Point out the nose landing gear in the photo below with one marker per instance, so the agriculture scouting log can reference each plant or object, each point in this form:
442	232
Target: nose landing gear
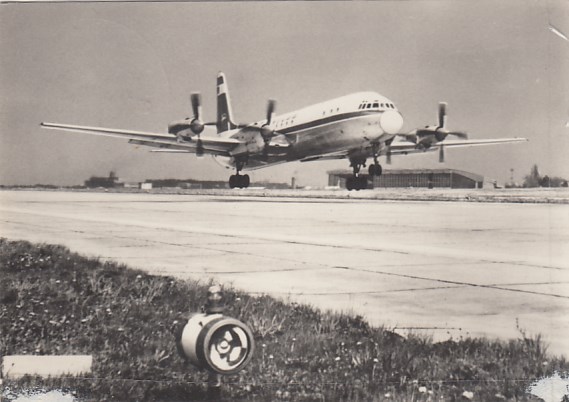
375	169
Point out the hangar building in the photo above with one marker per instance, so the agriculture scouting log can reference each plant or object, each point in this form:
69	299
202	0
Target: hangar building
426	178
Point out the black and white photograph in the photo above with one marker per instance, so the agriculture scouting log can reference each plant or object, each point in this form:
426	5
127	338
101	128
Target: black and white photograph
284	200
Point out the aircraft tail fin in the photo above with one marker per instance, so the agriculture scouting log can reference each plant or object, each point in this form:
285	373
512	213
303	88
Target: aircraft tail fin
224	115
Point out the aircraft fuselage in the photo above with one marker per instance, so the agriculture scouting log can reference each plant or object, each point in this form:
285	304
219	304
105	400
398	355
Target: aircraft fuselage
349	122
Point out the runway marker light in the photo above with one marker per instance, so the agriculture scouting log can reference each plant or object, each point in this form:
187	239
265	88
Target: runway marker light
212	341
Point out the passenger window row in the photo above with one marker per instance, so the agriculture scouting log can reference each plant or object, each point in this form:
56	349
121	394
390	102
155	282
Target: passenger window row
374	105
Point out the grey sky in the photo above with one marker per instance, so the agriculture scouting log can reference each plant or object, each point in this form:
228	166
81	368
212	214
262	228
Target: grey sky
133	66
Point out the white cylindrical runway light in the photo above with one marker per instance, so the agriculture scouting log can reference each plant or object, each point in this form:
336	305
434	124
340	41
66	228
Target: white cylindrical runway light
217	343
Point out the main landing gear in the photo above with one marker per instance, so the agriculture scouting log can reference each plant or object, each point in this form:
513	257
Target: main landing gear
356	182
237	180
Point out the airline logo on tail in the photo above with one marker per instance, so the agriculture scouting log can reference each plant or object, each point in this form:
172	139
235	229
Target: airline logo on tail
224	119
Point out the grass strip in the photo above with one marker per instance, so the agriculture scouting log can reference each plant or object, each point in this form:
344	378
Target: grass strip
53	301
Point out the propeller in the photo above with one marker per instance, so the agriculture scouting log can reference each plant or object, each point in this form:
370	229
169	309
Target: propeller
266	131
185	129
441	154
196	125
439	132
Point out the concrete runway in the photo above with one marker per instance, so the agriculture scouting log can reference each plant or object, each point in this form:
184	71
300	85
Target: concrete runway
441	268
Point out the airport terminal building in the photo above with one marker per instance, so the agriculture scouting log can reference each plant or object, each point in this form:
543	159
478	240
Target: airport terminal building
425	178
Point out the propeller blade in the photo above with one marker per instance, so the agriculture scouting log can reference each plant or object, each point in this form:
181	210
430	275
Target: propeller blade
271	106
196	125
441	154
266	131
196	99
442	114
388	156
459	134
199	148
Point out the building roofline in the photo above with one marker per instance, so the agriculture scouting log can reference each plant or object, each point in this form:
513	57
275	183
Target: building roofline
470	175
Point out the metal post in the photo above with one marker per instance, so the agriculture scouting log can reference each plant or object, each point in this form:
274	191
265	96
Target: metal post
214	386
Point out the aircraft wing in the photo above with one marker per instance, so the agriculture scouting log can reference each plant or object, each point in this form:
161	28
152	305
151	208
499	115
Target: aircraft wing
471	143
324	157
211	145
171	151
406	147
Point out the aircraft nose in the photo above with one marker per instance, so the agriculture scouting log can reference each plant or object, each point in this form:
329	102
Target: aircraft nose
391	121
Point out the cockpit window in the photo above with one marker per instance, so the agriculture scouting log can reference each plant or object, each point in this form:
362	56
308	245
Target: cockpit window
369	105
376	104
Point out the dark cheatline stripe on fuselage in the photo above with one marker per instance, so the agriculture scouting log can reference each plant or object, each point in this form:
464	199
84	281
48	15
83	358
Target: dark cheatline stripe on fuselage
326	120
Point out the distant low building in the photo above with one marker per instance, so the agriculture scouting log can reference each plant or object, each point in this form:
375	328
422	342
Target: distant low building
420	178
187	184
107	182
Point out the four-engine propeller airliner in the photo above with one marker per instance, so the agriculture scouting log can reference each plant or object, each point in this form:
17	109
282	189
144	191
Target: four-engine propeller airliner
356	127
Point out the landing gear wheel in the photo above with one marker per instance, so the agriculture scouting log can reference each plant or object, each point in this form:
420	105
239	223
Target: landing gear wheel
375	169
233	179
356	183
236	180
350	183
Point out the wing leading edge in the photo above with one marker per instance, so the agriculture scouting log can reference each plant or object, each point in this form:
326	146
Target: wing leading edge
406	147
211	145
